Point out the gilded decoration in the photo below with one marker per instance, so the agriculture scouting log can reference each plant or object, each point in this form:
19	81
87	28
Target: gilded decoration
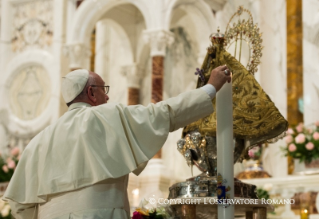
241	34
294	61
29	92
32	25
255	117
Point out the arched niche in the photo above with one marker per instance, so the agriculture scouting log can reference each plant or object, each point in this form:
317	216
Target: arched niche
200	12
113	50
191	29
90	12
131	20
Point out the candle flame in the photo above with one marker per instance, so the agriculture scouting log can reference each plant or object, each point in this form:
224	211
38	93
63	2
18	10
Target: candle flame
136	192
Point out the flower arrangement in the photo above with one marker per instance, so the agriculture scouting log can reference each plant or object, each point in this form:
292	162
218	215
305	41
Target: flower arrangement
303	143
5	210
7	167
9	164
149	210
156	213
255	152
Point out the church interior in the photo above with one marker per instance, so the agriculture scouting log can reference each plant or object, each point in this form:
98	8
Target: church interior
148	51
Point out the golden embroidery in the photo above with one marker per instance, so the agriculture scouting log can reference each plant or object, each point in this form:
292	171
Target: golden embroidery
256	118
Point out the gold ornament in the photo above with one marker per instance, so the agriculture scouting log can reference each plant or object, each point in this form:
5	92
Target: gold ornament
244	31
255	117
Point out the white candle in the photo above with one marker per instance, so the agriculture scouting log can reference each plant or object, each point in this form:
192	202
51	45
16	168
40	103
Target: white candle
136	197
225	144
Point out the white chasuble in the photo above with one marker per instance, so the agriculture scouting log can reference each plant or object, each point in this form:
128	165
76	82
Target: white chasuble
96	147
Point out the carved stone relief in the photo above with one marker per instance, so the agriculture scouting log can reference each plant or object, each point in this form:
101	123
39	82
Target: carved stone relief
29	92
32	25
180	63
158	40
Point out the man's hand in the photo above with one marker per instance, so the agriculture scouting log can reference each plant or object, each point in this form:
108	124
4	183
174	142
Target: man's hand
218	77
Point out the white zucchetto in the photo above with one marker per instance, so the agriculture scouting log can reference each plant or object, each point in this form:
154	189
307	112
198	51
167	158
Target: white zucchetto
73	84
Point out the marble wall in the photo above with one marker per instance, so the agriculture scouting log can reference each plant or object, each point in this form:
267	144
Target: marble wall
310	56
117	58
31	61
273	73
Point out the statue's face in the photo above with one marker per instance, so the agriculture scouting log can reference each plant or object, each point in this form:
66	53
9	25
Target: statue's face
196	138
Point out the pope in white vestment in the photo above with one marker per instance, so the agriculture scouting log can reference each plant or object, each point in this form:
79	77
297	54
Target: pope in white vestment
78	167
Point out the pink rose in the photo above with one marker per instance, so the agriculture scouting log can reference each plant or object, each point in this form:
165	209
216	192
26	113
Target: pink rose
290	131
299	127
310	146
317	123
5	168
315	136
15	151
292	147
300	138
251	153
11	164
137	215
309	130
288	139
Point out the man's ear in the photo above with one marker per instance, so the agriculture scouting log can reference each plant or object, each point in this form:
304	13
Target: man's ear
91	94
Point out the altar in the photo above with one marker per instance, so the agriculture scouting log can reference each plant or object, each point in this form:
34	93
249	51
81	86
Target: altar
207	208
286	187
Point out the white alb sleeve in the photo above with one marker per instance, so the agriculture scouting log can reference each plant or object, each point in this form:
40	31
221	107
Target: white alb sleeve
210	90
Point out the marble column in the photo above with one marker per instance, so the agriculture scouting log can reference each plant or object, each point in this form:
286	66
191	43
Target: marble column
294	60
71	9
134	73
287	194
157	78
158	40
157	84
310	46
272	74
92	58
5	41
102	48
133	96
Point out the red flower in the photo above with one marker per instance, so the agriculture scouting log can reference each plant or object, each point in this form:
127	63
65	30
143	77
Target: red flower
137	215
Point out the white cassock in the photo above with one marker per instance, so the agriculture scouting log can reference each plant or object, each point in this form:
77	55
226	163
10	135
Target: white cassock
78	167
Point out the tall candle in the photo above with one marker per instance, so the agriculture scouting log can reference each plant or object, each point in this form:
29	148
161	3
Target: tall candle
225	145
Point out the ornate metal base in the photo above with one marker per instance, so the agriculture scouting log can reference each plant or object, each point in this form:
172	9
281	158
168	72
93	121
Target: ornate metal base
203	209
205	186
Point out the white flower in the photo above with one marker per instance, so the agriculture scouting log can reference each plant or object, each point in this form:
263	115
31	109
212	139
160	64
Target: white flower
2	203
5	211
267	187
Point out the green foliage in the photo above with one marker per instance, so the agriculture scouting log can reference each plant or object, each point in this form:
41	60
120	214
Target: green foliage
261	193
5	171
